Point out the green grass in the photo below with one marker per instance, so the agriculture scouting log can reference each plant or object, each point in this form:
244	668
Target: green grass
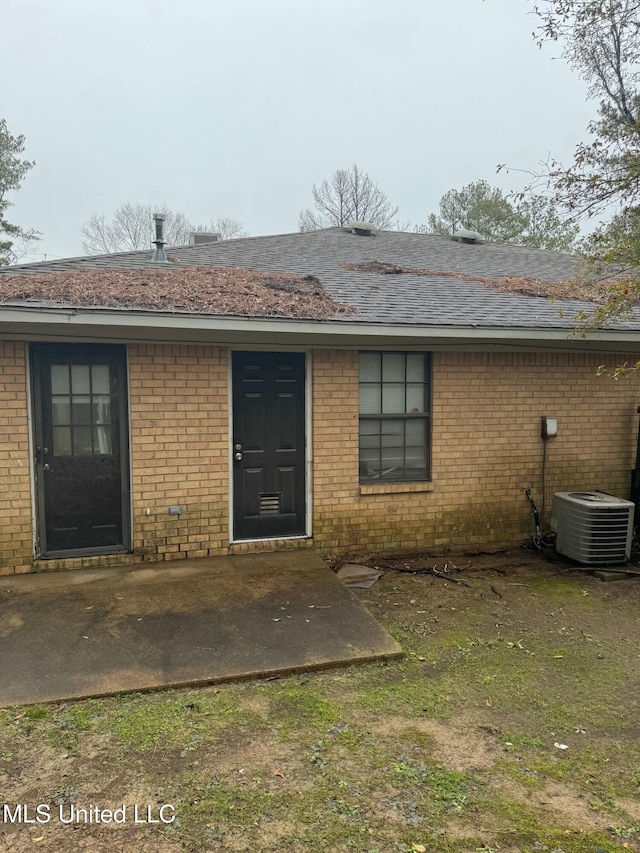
380	758
295	705
169	721
446	789
36	712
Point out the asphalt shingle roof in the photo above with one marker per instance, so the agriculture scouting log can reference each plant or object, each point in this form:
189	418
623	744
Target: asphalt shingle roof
402	299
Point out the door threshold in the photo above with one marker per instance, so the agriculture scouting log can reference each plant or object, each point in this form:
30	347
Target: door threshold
105	551
269	539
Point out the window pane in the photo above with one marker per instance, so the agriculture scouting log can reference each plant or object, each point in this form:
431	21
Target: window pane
100	378
80	379
415	368
62	441
392	398
392	449
61	410
416	433
415	399
82	441
370	465
102	440
369	427
372	452
369	367
82	410
416	449
392	367
369	435
370	399
369	449
392	463
416	461
59	378
102	410
392	434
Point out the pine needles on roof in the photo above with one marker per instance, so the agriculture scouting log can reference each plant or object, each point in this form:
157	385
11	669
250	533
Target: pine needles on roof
579	288
194	290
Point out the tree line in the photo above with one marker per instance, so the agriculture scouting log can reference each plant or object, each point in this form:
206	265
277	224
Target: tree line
348	195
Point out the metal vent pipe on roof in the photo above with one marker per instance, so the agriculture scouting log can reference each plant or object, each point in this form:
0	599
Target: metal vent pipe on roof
159	255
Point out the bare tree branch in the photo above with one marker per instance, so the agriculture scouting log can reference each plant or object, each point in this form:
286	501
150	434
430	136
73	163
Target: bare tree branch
349	195
225	226
131	228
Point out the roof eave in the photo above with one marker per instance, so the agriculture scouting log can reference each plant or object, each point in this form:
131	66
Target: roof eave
102	324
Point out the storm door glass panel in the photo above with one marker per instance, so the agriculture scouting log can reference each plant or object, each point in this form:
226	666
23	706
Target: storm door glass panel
101	408
80	378
60	379
81	410
61	441
100	378
61	409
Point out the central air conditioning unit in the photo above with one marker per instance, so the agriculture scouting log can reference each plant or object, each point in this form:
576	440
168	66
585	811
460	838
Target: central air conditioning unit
592	527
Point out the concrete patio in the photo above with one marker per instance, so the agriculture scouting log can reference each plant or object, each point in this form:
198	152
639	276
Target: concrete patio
95	632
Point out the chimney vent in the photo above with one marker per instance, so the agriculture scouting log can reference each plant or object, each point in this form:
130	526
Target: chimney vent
159	254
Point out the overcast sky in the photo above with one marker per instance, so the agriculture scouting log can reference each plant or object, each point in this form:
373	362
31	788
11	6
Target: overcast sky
236	107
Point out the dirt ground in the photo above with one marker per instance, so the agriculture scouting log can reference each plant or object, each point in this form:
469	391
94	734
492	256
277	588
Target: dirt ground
510	725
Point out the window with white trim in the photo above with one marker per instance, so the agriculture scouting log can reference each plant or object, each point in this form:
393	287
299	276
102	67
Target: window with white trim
395	403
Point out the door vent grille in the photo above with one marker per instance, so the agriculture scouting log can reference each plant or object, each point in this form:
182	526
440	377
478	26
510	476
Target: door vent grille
270	503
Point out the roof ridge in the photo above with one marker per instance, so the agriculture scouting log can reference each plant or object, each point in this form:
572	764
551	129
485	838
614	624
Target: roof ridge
139	254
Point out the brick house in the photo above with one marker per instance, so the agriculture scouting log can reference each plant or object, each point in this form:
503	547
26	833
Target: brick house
342	389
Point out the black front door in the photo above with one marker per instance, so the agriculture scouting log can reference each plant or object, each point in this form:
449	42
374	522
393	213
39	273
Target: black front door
81	464
268	444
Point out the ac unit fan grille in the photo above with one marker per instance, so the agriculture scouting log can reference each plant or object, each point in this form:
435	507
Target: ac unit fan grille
594	534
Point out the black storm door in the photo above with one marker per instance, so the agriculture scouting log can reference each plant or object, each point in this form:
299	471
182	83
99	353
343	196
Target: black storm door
81	452
268	444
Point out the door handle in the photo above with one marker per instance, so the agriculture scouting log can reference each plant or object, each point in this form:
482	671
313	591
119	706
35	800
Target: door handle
46	467
237	456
